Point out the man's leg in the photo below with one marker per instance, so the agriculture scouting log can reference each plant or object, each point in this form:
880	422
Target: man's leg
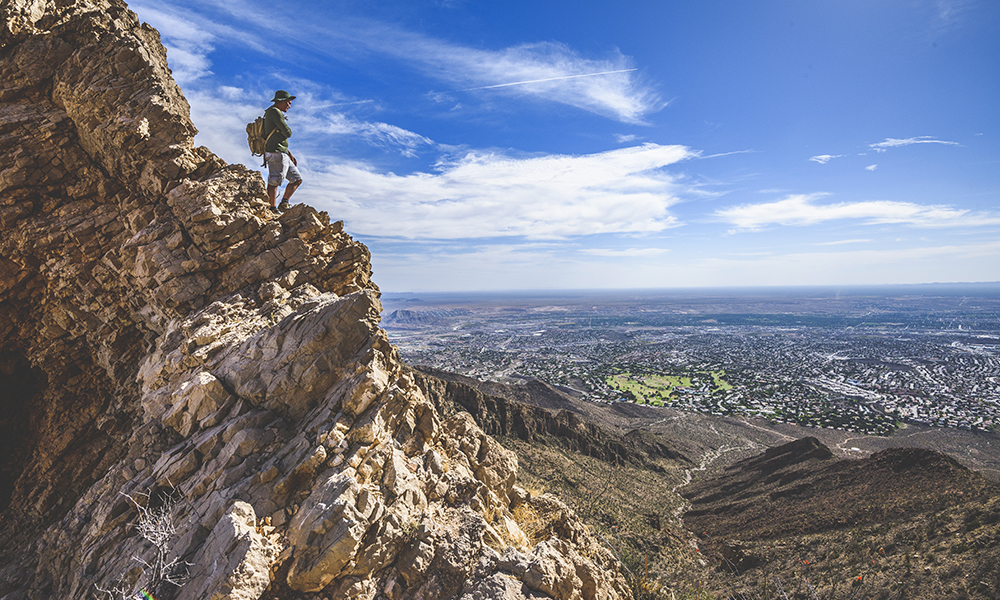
277	166
290	189
294	181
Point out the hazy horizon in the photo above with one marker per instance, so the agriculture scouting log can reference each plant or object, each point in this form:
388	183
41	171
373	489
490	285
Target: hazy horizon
976	288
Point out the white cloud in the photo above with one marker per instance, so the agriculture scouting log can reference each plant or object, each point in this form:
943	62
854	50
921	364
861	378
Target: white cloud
556	72
912	264
189	63
550	79
187	44
841	242
825	158
221	116
484	195
377	134
803	210
626	253
625	139
896	142
176	20
231	93
871	167
951	13
191	37
559	74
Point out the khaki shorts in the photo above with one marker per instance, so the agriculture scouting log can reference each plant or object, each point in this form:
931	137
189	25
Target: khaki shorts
279	168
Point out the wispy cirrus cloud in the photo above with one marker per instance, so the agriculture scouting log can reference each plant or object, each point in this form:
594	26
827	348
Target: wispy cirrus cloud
376	133
487	195
871	167
951	13
549	79
551	71
625	253
897	142
188	44
825	158
548	71
842	242
803	209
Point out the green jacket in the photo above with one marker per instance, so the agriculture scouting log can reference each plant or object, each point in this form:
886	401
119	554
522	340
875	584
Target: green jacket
274	120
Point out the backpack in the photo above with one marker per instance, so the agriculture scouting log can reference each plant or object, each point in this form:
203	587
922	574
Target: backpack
255	136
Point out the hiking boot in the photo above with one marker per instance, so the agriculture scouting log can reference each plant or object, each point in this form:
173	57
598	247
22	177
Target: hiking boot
284	205
273	210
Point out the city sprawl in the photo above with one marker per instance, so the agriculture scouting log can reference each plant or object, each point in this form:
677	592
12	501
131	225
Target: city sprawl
857	360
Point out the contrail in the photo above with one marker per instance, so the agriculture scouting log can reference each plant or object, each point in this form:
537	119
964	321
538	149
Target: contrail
500	85
350	103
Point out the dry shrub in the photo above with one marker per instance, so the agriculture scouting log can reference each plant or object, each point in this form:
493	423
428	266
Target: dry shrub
530	521
537	519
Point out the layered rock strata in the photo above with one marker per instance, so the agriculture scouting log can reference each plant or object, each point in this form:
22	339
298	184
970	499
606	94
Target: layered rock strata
163	336
537	412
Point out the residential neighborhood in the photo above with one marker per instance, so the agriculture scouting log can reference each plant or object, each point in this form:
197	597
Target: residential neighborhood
861	374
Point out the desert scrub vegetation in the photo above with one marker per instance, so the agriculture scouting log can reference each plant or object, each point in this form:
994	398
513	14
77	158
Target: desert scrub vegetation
530	522
155	524
853	565
644	586
632	507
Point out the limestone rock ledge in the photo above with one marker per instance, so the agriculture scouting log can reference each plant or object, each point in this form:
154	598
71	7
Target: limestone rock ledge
159	330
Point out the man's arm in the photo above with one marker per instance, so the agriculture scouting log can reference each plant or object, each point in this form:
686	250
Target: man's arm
276	119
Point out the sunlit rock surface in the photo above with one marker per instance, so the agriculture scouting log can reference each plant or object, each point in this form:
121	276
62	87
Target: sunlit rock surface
160	330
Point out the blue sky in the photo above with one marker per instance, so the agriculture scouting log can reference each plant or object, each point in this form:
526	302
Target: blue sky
559	145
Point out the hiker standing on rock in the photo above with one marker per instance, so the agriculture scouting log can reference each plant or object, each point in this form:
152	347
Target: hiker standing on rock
280	162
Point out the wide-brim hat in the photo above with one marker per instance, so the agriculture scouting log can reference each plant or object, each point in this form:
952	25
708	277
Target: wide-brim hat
281	95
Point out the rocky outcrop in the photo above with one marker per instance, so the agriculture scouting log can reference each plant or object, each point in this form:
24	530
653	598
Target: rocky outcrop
537	412
163	336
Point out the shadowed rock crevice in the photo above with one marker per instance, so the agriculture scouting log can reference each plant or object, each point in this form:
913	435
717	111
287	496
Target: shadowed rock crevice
20	390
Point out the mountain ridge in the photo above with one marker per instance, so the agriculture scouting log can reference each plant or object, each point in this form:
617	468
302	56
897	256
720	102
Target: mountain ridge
906	521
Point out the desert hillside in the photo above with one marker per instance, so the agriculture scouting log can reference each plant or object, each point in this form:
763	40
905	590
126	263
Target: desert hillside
699	506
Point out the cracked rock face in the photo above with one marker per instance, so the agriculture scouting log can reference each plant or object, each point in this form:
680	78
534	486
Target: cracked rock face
159	330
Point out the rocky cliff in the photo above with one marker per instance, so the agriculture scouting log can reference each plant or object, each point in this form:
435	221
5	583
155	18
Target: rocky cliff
169	348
